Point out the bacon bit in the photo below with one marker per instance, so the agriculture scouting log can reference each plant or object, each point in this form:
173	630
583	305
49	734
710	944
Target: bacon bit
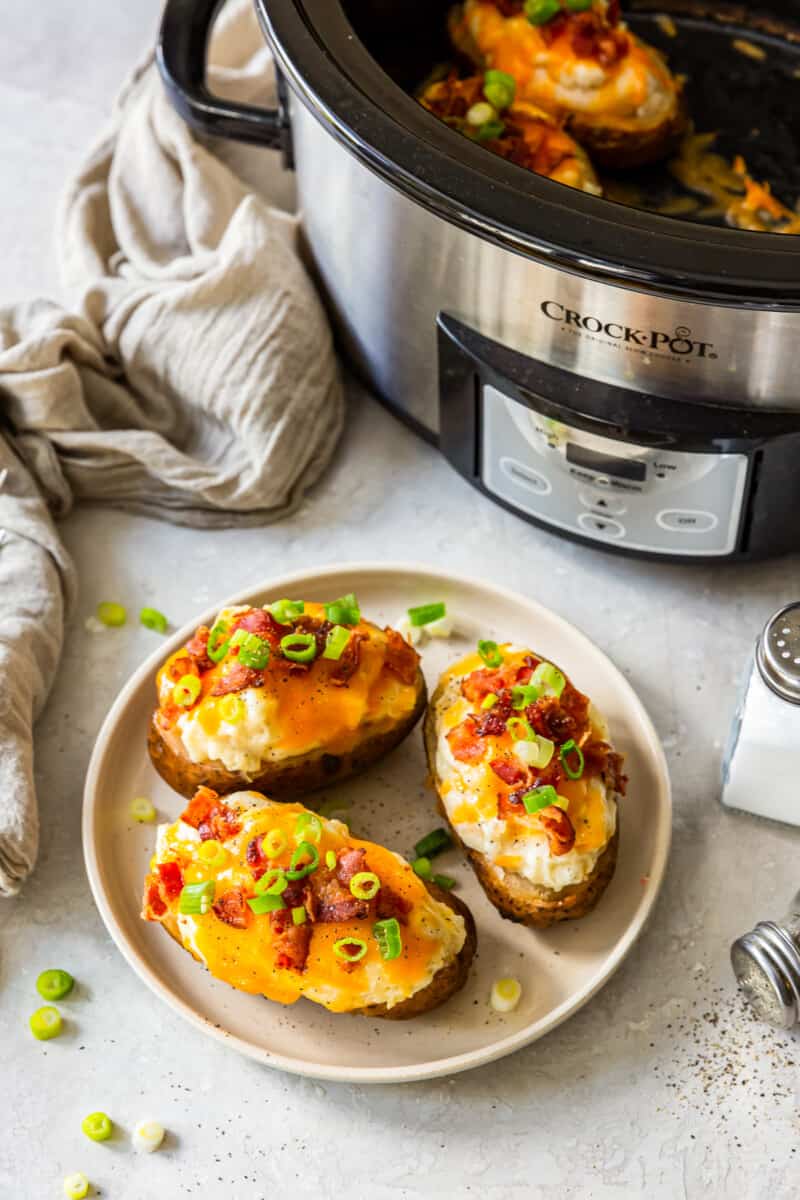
559	830
210	816
600	759
465	743
400	658
553	29
236	678
197	649
348	908
171	878
347	664
493	722
261	622
199	807
256	858
153	907
389	904
231	908
349	862
510	773
485	682
291	941
592	36
164	885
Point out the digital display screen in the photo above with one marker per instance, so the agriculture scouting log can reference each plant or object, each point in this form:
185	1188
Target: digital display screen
623	468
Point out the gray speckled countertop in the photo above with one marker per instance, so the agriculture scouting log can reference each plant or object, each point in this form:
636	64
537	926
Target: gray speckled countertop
660	1087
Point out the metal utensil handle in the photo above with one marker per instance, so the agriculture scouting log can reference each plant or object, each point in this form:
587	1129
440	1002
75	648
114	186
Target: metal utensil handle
181	56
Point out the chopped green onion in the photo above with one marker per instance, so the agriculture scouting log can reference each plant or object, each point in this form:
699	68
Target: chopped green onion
539	798
272	883
265	904
490	131
186	691
111	614
212	854
299	647
521	729
76	1187
365	885
97	1126
231	708
535	753
539	12
285	611
387	935
480	113
433	843
274	843
239	636
330	860
444	881
142	810
422	866
344	611
500	88
196	898
489	701
308	826
299	915
523	694
148	1136
578	5
45	1023
425	614
490	653
254	652
548	679
299	872
505	995
54	984
218	644
336	641
572	747
151	618
350	949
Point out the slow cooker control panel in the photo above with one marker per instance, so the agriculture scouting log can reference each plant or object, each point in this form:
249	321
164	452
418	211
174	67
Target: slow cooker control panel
659	501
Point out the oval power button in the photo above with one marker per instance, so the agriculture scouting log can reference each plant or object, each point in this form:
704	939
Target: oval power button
687	520
526	476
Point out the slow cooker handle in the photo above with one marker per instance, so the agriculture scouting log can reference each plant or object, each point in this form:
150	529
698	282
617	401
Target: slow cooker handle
181	56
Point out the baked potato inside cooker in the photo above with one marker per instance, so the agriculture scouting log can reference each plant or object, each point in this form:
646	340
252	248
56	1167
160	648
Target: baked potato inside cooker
285	699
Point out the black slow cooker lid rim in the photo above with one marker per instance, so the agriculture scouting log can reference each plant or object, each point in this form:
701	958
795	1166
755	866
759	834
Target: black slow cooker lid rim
352	95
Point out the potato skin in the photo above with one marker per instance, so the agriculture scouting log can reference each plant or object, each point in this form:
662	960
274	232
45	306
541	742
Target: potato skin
622	149
513	896
289	779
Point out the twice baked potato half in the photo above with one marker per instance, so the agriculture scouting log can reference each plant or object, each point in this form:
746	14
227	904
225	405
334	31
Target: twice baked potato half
483	108
579	62
277	901
285	699
529	782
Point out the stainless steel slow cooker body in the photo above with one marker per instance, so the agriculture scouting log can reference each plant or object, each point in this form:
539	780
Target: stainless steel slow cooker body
464	286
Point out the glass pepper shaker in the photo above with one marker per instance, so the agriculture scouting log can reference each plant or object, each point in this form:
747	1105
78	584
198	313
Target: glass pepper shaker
766	963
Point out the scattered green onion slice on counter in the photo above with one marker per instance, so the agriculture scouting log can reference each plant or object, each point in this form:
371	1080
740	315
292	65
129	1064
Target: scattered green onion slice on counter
254	652
425	614
218	644
54	984
299	915
569	749
490	653
330	860
344	611
422	866
299	647
387	935
265	904
548	679
76	1187
212	854
151	618
231	708
285	611
350	949
274	842
186	691
97	1126
539	12
142	809
444	881
523	694
298	871
505	995
499	88
433	843
489	701
521	729
539	798
336	642
308	826
148	1136
490	131
272	883
111	614
196	898
365	885
46	1023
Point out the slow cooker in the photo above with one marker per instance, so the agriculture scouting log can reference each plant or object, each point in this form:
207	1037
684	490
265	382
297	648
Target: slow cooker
626	378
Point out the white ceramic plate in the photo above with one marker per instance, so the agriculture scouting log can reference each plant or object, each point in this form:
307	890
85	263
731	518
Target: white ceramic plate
560	969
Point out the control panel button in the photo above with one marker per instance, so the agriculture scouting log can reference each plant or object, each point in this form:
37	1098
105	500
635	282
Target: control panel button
687	520
613	505
598	526
526	476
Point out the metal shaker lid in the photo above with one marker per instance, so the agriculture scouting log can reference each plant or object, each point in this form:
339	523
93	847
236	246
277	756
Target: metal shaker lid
766	964
778	653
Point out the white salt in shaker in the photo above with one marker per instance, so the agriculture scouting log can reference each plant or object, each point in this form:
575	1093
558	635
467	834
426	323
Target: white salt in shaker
761	769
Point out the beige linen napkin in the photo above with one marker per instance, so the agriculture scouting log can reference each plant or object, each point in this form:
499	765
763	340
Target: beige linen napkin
194	381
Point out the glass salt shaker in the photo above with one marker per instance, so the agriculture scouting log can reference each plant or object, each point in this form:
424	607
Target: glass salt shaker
766	727
766	963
